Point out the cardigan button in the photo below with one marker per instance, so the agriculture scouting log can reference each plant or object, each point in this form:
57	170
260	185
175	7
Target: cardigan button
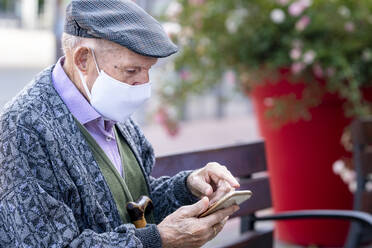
108	139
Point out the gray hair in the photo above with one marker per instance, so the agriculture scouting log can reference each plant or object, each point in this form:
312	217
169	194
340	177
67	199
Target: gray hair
70	42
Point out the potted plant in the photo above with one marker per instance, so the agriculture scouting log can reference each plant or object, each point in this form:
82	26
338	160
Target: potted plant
306	66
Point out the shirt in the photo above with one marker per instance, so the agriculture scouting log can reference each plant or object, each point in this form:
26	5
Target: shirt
101	130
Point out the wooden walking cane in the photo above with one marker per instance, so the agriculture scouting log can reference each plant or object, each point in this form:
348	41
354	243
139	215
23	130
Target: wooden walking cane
137	210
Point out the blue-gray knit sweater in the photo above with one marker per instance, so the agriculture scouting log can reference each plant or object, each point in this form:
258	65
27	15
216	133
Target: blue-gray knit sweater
52	192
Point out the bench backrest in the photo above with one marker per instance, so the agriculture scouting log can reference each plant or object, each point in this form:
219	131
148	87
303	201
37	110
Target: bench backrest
247	162
362	149
362	156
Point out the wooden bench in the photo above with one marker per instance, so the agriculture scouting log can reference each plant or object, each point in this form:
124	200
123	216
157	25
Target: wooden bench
248	163
362	158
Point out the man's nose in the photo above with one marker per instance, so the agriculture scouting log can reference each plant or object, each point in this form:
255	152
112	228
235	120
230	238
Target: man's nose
143	78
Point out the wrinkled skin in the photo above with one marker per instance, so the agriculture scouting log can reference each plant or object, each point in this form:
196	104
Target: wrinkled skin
183	228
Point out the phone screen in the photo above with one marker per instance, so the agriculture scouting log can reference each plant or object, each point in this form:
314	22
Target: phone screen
231	198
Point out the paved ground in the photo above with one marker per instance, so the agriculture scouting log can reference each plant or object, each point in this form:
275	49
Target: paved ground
203	134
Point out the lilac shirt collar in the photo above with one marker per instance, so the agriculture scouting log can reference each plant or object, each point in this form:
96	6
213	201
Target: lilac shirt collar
75	101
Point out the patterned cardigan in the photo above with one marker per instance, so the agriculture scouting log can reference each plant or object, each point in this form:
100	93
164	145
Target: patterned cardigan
52	192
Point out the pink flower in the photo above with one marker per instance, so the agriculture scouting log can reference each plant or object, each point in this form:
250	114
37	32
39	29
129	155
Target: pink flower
303	23
338	166
344	11
306	3
196	2
161	116
172	28
277	16
349	27
296	9
297	67
174	10
169	124
348	175
295	53
318	71
309	57
369	186
184	74
352	186
230	77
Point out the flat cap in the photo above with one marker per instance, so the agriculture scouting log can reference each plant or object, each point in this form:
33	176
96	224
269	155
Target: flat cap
120	21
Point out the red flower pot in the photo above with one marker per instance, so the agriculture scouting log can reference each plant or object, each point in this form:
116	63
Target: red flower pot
300	157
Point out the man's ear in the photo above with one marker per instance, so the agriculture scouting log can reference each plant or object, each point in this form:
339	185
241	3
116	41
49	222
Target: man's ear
80	58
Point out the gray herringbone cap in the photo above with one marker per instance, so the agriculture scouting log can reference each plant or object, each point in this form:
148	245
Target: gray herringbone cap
120	21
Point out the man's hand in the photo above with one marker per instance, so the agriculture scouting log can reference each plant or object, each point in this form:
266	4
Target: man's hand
213	181
183	228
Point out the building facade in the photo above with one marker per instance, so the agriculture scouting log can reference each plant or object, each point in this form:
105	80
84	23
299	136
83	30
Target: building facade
39	14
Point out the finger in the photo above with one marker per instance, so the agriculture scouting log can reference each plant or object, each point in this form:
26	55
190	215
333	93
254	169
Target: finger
221	172
202	186
225	220
217	196
224	186
231	179
220	225
222	189
219	216
216	229
196	209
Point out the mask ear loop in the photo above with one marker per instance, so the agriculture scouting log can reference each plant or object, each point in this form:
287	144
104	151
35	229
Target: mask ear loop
82	76
84	83
95	61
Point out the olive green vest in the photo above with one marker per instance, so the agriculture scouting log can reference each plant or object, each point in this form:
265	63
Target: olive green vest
123	190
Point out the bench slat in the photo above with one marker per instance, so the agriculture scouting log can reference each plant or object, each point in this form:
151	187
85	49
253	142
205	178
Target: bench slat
367	202
366	162
261	197
362	131
244	160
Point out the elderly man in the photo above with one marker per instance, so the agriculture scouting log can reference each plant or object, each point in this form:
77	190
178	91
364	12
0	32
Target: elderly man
71	157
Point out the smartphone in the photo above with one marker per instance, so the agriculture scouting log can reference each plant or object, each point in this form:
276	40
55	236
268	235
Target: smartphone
231	198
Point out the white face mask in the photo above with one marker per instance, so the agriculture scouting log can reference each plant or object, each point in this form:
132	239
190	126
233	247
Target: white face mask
113	99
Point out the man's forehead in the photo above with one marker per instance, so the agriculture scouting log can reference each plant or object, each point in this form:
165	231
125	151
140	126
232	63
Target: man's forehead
124	56
124	59
134	59
138	58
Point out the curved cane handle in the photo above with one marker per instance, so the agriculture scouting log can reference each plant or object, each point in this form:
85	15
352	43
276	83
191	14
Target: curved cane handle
137	210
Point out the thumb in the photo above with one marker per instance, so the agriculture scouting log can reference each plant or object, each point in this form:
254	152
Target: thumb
198	208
